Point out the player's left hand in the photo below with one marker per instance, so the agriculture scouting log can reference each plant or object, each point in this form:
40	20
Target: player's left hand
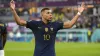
12	4
82	8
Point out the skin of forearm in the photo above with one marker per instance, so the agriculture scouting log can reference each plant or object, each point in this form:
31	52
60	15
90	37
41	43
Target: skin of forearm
16	17
73	21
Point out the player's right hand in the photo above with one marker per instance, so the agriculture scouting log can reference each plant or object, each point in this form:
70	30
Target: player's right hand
12	5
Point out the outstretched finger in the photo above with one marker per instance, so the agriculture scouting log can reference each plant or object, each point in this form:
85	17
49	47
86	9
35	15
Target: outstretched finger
12	1
83	4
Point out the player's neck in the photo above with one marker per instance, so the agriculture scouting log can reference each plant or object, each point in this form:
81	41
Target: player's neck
44	21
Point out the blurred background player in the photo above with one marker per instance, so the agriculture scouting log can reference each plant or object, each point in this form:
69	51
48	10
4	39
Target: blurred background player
3	35
45	31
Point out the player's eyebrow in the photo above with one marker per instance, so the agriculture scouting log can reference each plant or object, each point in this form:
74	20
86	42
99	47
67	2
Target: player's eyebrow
49	11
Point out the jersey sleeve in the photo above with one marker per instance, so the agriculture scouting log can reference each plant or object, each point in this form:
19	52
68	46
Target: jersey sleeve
31	24
4	29
59	25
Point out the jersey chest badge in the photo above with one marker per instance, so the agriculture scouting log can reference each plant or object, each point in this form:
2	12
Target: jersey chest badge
46	29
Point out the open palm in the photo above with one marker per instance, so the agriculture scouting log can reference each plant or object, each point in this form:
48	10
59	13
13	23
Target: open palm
12	4
82	8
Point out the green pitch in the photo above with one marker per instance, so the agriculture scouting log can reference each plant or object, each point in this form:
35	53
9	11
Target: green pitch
62	49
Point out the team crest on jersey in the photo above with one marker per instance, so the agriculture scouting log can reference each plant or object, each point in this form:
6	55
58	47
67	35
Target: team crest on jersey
46	29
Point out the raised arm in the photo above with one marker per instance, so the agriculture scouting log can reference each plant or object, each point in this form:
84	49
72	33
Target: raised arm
16	17
73	21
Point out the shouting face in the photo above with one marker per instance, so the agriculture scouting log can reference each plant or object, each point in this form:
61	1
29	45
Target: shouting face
47	15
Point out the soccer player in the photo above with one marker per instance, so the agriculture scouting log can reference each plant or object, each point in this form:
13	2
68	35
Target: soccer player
3	36
45	31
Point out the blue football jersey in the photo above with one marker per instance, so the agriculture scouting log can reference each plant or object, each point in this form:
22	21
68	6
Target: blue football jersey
44	36
2	31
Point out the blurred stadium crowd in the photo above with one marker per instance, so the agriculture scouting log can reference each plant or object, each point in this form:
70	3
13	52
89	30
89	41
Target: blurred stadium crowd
63	10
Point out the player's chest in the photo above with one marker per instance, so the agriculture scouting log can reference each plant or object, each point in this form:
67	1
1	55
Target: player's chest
46	29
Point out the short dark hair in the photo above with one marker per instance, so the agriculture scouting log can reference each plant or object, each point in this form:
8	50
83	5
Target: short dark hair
44	9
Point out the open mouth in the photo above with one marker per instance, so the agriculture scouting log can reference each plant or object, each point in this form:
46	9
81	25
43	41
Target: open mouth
50	18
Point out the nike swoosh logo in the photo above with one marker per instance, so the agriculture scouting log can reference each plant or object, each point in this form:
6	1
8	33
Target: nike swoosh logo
39	27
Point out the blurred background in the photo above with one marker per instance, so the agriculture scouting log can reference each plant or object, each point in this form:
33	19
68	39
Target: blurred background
85	31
